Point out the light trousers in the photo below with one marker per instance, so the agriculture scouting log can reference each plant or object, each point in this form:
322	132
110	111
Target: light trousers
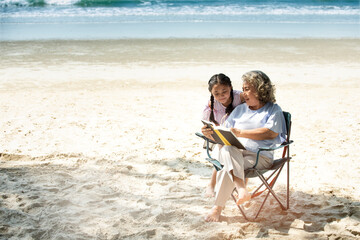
237	161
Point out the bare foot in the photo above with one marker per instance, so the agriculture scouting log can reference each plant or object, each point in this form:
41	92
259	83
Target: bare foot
243	196
210	191
214	215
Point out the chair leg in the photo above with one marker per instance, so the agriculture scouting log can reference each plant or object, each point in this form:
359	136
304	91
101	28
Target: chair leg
256	192
270	189
263	203
288	184
240	208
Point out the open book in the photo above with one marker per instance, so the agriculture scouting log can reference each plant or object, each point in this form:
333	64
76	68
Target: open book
223	135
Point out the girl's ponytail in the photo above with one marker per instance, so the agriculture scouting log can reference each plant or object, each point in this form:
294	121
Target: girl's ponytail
212	118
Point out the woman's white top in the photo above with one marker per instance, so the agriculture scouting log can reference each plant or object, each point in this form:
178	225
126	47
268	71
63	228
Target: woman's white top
269	116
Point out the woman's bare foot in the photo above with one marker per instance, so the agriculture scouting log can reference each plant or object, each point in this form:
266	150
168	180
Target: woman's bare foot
214	215
210	191
243	196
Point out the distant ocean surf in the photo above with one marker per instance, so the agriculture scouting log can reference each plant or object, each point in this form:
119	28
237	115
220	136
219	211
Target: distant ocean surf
119	19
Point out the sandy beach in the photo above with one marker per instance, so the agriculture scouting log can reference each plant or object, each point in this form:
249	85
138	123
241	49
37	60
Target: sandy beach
97	138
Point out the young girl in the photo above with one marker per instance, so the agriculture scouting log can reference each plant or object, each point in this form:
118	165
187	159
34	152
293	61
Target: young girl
223	100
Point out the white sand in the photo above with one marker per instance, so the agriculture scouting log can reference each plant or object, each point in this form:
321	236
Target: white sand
98	138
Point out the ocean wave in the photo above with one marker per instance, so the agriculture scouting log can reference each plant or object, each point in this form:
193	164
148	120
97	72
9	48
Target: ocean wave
34	3
181	11
85	3
180	3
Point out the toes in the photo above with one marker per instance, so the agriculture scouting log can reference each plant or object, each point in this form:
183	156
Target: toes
243	200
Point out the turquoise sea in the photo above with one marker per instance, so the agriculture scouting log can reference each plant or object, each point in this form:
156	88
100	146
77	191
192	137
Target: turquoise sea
123	19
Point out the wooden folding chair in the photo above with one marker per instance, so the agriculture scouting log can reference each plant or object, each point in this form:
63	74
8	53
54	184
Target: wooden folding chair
267	183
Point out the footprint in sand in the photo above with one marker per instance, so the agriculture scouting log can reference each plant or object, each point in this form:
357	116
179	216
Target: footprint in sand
33	207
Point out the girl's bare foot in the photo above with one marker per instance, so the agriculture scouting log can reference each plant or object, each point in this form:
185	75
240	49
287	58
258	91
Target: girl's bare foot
243	196
214	215
210	191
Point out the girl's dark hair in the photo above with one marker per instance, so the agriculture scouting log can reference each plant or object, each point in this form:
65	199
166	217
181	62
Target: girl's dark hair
223	80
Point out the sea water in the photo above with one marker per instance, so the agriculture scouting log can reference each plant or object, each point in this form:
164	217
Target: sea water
122	19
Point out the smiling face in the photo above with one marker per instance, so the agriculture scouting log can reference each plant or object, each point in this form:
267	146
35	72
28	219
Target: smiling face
221	93
251	97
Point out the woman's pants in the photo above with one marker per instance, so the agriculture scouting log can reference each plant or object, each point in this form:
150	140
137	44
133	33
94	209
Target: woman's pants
237	161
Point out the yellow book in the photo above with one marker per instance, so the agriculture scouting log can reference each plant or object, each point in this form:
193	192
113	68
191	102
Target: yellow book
223	135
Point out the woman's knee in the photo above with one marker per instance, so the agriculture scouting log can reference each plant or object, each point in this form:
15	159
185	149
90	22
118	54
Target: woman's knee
225	151
231	150
229	153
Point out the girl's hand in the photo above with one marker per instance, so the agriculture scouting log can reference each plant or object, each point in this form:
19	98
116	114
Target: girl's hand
236	131
207	132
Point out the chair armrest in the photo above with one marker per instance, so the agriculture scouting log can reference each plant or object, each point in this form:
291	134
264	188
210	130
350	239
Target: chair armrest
205	138
207	143
217	165
284	144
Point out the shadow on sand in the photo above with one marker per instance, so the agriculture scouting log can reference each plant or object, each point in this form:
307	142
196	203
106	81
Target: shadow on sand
44	201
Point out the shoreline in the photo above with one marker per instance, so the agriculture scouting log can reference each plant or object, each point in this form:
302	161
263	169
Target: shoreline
182	29
149	61
186	38
182	50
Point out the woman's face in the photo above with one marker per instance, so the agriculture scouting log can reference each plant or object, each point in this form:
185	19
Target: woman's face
251	96
222	93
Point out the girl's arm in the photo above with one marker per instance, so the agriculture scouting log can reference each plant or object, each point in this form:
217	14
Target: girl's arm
255	134
206	112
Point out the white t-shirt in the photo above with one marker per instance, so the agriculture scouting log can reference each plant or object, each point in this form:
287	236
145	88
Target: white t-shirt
269	116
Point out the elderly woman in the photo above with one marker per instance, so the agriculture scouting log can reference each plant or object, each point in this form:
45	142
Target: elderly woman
258	123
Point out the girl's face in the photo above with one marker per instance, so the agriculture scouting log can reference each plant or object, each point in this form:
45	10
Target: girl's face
221	93
251	97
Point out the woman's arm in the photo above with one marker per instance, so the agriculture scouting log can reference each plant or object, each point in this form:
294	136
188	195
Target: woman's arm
255	134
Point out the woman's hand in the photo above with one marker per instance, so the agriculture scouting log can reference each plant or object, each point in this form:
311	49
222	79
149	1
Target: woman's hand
236	131
207	132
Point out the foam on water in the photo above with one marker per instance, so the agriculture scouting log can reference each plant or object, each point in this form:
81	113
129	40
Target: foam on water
160	10
13	13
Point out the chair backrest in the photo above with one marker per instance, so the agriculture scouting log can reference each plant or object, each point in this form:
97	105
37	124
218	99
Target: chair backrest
287	117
